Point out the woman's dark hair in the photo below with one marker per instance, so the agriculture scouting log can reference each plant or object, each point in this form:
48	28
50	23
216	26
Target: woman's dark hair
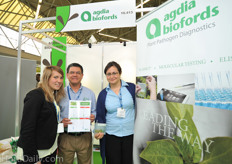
113	63
74	65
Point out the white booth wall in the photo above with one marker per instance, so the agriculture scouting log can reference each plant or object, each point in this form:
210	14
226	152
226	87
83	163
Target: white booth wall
94	60
125	56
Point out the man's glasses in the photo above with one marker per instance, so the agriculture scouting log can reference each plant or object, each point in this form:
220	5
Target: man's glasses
113	74
72	73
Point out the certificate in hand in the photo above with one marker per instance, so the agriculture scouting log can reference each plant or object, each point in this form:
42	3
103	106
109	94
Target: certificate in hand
79	114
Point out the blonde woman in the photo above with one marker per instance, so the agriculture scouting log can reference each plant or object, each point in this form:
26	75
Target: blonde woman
38	136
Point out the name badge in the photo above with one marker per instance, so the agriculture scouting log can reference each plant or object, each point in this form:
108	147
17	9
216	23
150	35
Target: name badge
60	128
121	112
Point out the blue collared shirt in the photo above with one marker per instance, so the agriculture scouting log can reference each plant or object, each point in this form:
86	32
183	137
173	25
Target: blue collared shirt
86	94
119	126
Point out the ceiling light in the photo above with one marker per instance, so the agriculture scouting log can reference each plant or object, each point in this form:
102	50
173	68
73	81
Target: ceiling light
92	40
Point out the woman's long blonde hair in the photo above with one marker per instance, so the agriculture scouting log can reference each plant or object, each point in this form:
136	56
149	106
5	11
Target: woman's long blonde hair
48	92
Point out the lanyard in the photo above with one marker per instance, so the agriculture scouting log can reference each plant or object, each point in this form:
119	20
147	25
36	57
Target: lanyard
57	110
77	96
120	97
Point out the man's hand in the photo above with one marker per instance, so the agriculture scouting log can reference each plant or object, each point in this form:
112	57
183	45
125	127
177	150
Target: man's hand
66	121
92	117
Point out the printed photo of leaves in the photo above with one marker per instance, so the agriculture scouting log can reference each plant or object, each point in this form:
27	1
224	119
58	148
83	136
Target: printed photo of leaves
187	148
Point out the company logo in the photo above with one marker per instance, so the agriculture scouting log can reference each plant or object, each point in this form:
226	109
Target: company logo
63	16
86	16
155	28
103	14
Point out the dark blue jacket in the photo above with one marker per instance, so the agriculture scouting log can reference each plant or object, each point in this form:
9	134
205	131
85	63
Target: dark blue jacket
101	113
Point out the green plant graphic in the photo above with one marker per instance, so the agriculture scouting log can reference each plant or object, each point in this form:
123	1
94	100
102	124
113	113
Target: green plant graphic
181	114
162	152
220	151
13	144
187	149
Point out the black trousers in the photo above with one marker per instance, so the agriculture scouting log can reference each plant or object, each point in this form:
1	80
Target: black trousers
51	159
119	150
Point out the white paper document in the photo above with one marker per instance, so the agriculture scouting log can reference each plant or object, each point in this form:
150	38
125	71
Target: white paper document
60	128
79	114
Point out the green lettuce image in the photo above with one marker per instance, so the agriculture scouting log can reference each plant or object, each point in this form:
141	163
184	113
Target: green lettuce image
187	149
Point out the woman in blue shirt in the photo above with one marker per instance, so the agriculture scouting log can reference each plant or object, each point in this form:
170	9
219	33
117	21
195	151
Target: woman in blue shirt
116	108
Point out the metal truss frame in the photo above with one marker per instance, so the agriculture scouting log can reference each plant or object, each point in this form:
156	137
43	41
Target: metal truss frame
27	34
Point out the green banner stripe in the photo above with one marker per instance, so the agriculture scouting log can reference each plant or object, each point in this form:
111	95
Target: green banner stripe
59	58
62	16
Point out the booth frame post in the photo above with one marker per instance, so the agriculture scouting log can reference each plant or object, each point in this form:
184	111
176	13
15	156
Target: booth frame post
18	81
141	8
102	67
21	23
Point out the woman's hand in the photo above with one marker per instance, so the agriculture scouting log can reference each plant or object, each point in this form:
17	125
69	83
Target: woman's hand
99	135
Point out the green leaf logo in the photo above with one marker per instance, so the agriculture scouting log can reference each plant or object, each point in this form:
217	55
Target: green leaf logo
73	16
61	20
153	28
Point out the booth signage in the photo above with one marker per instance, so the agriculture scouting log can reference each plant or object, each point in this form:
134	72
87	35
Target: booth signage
180	30
170	19
111	14
184	81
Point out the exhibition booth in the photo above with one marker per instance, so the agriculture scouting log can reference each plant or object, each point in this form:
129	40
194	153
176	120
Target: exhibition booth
185	47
